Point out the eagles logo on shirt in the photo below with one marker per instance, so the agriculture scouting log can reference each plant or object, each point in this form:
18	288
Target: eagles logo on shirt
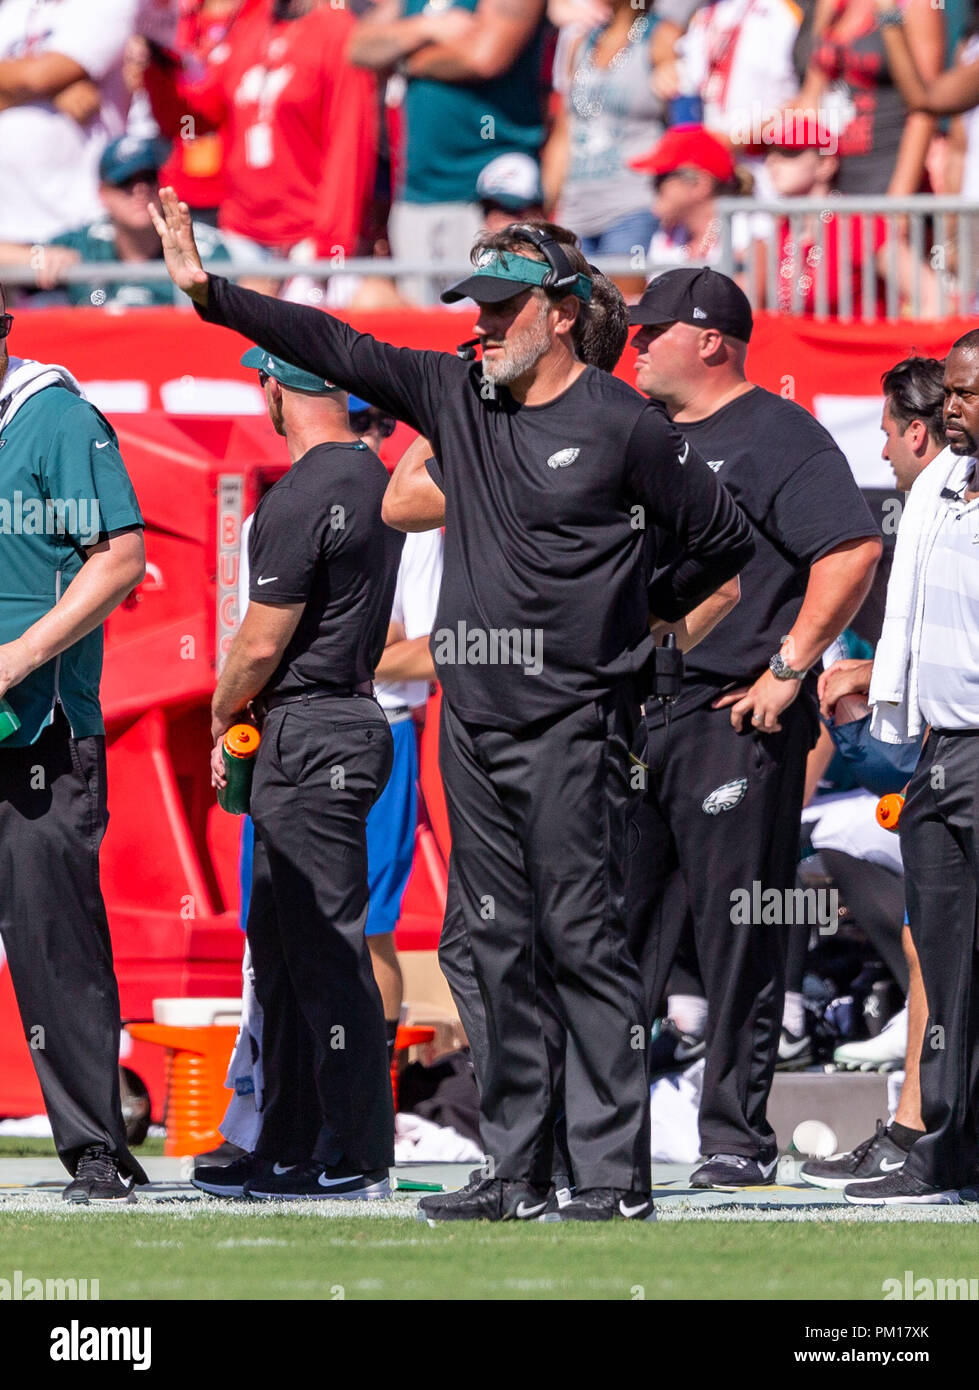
726	797
563	458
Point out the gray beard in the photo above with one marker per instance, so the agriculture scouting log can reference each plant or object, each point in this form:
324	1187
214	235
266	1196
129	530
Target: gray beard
519	360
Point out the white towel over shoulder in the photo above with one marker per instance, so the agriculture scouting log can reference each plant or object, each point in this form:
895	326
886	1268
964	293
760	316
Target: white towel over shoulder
894	683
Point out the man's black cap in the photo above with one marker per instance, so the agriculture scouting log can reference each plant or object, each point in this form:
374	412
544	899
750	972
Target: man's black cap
695	295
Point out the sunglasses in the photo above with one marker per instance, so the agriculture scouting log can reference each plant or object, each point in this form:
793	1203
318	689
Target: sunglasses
262	379
6	323
150	177
362	421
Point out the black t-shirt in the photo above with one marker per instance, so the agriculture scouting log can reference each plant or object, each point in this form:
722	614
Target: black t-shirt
318	539
789	477
543	604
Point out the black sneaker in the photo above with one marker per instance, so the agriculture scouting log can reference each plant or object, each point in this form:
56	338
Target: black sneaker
794	1051
97	1179
561	1193
605	1204
874	1158
672	1049
490	1199
315	1180
225	1153
731	1171
899	1189
228	1179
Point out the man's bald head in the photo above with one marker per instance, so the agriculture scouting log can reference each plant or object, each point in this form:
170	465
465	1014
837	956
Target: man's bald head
969	343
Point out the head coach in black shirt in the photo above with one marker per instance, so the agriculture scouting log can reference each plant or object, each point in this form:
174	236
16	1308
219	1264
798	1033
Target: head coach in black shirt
551	470
724	803
322	572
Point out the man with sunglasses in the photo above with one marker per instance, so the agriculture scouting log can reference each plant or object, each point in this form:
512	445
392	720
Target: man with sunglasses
551	472
72	545
128	176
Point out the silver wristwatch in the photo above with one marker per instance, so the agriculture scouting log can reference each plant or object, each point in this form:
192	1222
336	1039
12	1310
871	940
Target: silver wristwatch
781	669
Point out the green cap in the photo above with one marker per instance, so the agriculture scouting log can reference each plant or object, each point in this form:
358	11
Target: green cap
285	373
500	274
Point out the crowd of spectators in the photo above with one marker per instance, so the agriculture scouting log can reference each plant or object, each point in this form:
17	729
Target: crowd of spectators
315	131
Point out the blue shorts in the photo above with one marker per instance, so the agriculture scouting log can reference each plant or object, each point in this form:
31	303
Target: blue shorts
390	838
391	833
246	857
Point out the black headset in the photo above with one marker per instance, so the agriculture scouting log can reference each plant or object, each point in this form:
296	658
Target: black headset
562	274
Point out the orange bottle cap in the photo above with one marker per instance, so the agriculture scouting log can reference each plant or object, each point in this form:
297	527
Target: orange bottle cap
889	810
242	740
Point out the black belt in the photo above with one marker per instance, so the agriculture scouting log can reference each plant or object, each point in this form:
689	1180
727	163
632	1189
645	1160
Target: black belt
955	733
349	692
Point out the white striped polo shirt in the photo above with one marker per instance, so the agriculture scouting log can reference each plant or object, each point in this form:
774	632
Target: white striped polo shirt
948	672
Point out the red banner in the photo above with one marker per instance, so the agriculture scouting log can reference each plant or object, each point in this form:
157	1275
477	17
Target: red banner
145	359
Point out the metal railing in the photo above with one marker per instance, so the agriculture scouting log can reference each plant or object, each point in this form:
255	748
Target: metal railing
847	258
857	258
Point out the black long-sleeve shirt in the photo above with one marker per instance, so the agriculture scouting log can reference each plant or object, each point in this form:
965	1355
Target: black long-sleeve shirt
544	604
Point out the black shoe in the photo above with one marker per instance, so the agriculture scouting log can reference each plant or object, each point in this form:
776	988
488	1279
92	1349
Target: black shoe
225	1153
794	1051
874	1158
900	1189
97	1179
310	1181
672	1049
605	1204
490	1199
228	1179
731	1171
561	1193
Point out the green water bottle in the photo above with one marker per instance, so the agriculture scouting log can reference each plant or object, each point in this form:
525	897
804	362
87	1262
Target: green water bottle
238	752
9	723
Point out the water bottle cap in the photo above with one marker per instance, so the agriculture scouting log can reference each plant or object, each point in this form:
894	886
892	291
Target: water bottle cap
242	740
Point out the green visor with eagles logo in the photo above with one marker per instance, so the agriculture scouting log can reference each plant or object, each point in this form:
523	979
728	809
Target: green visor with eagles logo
500	274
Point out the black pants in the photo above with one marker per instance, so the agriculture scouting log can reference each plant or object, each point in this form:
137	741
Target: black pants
539	824
455	960
940	849
745	835
53	816
320	767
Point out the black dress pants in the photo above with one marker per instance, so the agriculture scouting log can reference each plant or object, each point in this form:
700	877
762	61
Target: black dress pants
939	829
724	808
539	823
320	767
53	816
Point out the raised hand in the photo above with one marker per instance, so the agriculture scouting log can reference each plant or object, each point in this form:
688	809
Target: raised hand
173	225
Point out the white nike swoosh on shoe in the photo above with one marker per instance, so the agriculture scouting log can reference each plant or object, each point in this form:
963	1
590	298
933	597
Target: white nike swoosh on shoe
523	1211
631	1211
279	1169
886	1167
324	1181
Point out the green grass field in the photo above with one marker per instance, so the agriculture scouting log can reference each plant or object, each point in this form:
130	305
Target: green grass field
209	1253
13	1146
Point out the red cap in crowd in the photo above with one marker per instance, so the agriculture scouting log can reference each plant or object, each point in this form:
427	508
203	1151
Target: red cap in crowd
687	145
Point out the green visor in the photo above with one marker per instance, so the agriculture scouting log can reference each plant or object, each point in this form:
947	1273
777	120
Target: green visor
501	274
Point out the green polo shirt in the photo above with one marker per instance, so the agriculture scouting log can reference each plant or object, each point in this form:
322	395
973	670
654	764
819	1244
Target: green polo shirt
453	129
61	475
